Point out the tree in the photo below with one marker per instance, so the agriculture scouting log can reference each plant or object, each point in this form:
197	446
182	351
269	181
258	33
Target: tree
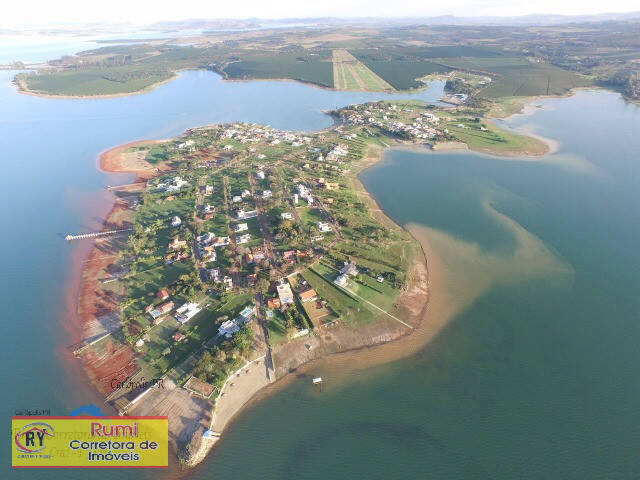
243	339
262	285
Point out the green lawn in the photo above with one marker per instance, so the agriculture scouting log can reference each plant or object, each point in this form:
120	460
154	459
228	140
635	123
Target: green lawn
350	309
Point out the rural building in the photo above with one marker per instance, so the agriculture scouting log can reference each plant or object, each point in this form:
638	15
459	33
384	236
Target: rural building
161	310
341	280
186	312
163	294
284	293
228	328
324	227
308	295
176	244
243	238
243	215
258	254
273	303
178	337
349	269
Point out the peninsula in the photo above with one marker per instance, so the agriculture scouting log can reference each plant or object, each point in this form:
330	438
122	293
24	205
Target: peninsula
250	251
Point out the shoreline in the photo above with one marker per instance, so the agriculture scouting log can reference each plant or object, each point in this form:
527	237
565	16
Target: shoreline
21	88
386	347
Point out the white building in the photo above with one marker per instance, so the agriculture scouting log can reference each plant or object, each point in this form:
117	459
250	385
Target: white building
324	227
284	293
176	222
186	312
241	227
228	328
245	214
341	280
286	215
349	269
243	238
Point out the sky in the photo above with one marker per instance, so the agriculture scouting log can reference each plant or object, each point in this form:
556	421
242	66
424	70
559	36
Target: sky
146	11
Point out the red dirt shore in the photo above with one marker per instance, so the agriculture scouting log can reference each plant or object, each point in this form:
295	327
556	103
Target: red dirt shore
114	161
86	300
115	362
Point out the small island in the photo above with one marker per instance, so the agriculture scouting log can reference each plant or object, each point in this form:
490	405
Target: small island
249	251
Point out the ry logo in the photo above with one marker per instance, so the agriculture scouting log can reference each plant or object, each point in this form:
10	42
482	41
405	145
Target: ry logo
30	438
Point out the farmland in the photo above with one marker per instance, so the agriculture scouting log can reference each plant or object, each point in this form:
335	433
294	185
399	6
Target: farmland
313	67
95	81
520	61
351	74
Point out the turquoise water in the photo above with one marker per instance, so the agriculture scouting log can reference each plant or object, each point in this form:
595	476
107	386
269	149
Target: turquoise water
51	187
538	377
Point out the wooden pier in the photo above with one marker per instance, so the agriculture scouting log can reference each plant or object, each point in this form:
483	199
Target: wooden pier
83	236
126	186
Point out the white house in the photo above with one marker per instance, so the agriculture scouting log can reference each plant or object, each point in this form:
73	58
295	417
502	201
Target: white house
324	227
341	280
286	215
186	312
241	227
284	293
176	222
214	275
243	238
245	214
349	269
228	328
266	194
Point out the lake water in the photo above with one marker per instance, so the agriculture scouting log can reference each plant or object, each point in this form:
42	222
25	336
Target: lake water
52	187
536	376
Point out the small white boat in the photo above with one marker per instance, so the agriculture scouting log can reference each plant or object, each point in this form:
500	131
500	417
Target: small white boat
317	380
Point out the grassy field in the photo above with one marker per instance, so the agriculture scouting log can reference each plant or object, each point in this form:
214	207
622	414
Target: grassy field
493	139
403	74
351	74
350	309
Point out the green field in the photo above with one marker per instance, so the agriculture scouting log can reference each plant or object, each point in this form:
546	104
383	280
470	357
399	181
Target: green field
493	139
517	76
313	68
402	74
96	81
